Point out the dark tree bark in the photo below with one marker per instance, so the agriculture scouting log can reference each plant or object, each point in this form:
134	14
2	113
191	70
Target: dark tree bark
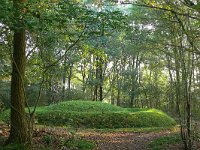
83	73
19	127
118	89
19	132
64	76
96	79
69	80
101	80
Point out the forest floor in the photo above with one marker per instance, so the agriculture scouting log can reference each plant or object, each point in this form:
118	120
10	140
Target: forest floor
126	140
105	140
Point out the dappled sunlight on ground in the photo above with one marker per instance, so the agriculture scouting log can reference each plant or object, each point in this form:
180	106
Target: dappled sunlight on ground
123	140
105	140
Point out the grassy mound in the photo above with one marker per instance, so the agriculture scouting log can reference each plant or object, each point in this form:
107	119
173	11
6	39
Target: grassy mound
84	106
100	115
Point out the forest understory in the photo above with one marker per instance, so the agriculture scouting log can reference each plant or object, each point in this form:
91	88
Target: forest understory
51	137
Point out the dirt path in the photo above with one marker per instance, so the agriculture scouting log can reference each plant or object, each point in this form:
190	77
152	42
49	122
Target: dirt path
122	140
104	140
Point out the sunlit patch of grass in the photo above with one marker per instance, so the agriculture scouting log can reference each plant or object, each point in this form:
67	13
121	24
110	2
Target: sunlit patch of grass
135	130
81	144
84	106
155	110
162	142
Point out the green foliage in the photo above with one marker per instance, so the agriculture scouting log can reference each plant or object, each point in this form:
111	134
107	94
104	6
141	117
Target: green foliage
4	94
48	139
2	107
5	116
83	106
74	144
2	140
90	114
15	147
163	142
135	130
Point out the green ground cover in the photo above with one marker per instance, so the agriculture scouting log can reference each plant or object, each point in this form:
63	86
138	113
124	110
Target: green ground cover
163	142
89	114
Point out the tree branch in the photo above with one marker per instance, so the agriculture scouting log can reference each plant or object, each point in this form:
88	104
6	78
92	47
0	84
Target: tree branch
163	9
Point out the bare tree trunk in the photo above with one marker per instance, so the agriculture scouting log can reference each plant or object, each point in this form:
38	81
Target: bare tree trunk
171	100
118	96
19	124
101	79
96	86
83	73
64	77
69	80
118	87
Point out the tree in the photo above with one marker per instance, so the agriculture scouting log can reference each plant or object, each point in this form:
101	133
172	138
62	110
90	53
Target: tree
19	132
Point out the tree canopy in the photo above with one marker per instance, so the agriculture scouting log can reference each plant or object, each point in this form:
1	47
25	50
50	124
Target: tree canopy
138	53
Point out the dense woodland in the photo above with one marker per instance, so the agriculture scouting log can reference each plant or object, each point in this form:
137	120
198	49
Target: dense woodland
140	53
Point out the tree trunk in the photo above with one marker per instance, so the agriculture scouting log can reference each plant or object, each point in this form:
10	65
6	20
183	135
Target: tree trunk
101	80
96	80
171	105
69	80
19	132
64	77
118	89
118	97
83	73
19	126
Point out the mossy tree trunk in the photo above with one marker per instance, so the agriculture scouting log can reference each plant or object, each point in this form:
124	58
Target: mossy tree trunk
19	125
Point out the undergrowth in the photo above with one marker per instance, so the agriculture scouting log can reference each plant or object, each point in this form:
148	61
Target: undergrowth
81	144
163	142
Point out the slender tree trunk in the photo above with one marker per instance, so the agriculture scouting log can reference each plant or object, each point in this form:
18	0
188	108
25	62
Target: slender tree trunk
83	73
101	80
171	105
118	96
96	79
69	80
118	88
112	82
132	82
64	77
